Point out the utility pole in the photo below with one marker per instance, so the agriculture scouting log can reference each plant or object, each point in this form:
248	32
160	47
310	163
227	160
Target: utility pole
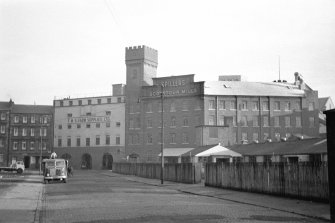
162	136
8	136
41	133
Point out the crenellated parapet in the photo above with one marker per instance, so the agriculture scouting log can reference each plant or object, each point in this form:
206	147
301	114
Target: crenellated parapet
141	54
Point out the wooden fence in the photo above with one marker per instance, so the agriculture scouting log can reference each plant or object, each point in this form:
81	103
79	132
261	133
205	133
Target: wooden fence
301	180
178	172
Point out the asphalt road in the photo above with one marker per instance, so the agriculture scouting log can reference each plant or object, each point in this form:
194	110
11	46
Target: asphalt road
96	196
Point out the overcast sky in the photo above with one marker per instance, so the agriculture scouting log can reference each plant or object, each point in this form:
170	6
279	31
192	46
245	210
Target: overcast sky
76	48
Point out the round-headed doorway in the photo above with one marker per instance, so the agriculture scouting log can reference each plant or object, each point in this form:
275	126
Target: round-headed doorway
86	161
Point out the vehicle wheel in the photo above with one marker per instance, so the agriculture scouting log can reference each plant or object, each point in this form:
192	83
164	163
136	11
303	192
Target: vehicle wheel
19	171
64	180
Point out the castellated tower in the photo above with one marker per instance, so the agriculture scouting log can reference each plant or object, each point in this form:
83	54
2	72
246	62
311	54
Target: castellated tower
141	67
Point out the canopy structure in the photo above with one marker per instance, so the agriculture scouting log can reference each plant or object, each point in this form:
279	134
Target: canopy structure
175	152
218	151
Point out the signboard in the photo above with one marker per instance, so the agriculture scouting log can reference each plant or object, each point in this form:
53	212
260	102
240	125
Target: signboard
89	119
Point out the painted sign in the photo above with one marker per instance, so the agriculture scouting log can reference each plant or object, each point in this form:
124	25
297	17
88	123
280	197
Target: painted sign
89	119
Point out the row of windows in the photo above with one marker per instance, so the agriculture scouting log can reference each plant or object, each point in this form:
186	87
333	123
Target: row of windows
89	125
108	113
24	119
88	141
134	139
25	131
266	136
244	105
29	145
149	123
254	121
168	106
89	102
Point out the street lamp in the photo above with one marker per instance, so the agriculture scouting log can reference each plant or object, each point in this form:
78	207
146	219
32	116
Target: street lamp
162	136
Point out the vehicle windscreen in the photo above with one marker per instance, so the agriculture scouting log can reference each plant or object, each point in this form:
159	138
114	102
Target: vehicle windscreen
60	163
50	163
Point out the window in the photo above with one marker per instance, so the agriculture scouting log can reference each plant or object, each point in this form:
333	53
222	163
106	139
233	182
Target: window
80	102
78	141
277	105
160	107
149	139
108	140
108	124
265	106
148	107
265	136
109	100
2	144
24	145
287	121
221	120
244	136
276	121
78	126
3	116
311	106
255	106
32	132
118	124
211	105
24	132
88	113
131	123
61	103
15	145
173	121
222	105
266	121
99	101
287	106
69	141
173	107
311	122
44	146
117	140
97	140
233	105
277	136
197	105
3	129
211	119
108	113
89	101
41	119
88	141
244	121
16	131
1	158
119	100
70	103
185	121
185	105
69	115
69	126
298	122
59	141
16	119
255	121
255	137
88	125
244	105
32	119
297	105
97	125
172	138
185	138
25	119
60	127
32	145
149	123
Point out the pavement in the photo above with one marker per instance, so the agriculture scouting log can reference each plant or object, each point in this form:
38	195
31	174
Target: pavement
301	207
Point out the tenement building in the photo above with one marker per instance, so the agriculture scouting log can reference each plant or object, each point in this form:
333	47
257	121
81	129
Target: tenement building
26	133
228	111
89	131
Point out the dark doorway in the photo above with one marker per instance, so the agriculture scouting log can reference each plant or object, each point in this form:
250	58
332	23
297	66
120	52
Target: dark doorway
107	161
86	161
26	160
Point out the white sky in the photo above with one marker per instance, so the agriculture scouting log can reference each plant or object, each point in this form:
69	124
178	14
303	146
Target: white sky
77	47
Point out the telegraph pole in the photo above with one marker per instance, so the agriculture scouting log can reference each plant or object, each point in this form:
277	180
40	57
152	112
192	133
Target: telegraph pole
162	136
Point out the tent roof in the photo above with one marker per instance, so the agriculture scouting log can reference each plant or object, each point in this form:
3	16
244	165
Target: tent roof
217	150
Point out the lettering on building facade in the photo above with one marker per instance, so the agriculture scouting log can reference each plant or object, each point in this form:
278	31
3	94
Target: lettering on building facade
90	119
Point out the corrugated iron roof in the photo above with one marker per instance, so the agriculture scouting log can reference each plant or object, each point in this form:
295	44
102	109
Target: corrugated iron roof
300	147
175	152
243	88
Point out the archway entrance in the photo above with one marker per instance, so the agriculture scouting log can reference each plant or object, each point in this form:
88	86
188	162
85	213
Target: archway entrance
26	160
86	161
107	161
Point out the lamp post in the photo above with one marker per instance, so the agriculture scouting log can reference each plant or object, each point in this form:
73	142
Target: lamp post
162	136
41	133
